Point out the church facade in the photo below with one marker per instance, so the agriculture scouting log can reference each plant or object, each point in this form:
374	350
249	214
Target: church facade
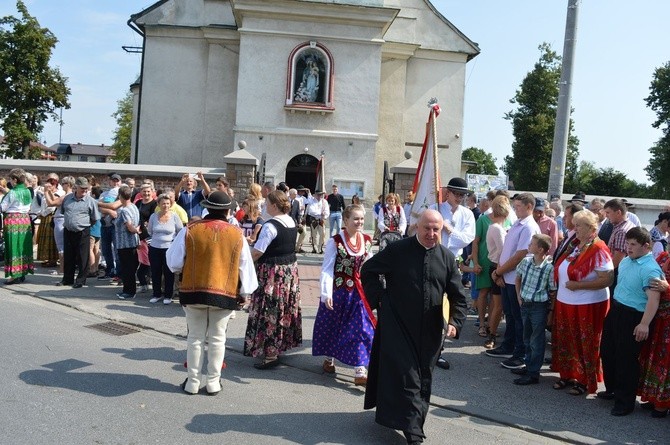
296	80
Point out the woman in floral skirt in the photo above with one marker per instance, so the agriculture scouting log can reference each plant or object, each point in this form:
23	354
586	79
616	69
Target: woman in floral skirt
344	326
275	319
654	388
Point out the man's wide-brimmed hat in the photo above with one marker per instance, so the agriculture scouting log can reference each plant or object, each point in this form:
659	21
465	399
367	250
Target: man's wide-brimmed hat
458	185
300	188
217	201
578	197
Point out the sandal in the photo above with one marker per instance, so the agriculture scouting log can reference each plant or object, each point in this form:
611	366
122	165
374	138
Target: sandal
483	331
267	364
577	390
560	384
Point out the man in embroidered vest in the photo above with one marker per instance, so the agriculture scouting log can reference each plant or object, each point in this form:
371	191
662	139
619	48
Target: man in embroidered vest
217	277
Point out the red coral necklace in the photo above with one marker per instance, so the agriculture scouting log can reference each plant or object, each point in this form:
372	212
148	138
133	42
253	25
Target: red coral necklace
354	247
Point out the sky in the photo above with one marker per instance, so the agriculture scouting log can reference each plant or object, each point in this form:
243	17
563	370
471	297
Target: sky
619	44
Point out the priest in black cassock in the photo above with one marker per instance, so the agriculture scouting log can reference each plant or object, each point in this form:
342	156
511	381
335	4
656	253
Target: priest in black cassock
418	271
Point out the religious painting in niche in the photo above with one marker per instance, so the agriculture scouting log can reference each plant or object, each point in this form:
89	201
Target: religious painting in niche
310	77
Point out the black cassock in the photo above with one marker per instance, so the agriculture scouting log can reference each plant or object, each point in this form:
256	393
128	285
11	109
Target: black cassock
408	338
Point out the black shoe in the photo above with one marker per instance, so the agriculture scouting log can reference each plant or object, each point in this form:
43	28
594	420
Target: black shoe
77	285
519	371
442	363
618	411
497	352
526	380
267	364
62	283
604	395
513	363
659	414
213	393
183	388
18	280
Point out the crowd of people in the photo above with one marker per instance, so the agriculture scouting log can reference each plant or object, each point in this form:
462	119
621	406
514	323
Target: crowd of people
586	272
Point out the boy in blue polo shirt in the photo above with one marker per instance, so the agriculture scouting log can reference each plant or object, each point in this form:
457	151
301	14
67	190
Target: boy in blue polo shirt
627	324
534	284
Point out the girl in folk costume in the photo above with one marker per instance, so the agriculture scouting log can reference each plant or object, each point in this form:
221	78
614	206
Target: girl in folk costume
344	326
392	216
654	387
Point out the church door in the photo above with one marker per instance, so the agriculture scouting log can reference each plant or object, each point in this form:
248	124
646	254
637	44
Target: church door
301	170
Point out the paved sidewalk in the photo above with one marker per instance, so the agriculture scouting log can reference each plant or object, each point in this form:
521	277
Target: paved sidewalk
476	386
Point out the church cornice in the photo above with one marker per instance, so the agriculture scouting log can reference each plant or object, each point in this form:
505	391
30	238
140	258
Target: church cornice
287	131
305	11
398	50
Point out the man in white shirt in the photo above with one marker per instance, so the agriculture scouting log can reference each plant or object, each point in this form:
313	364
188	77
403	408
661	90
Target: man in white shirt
317	211
514	250
458	229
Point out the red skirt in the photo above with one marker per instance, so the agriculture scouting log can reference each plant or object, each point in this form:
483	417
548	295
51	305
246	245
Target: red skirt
655	360
575	342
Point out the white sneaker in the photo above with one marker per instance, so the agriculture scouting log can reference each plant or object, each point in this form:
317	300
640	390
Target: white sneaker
144	288
155	300
167	300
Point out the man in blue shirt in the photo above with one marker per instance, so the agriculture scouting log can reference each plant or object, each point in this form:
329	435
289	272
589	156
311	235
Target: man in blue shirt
188	197
627	323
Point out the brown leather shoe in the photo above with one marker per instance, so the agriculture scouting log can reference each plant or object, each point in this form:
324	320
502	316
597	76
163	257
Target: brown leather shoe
328	367
360	381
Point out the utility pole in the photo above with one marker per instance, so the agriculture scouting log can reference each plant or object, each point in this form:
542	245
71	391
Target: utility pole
562	129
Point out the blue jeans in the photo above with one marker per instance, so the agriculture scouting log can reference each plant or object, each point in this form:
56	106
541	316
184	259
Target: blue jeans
513	338
335	222
107	248
534	316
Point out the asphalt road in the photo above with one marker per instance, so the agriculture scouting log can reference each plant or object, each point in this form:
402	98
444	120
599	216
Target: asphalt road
125	389
67	383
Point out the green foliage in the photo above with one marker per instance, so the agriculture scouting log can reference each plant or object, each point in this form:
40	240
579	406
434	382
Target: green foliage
658	169
124	129
609	182
486	163
30	90
533	123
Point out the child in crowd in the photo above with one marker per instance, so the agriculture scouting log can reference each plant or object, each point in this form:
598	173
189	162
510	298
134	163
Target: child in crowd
534	284
626	327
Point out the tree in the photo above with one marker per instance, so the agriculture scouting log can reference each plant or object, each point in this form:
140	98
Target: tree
659	101
30	90
486	163
533	124
124	129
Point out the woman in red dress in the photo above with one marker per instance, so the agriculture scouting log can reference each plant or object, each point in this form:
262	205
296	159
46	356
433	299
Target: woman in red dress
583	275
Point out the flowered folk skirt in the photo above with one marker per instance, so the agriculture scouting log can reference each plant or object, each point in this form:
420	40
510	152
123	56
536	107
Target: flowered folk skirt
275	317
46	243
18	239
575	342
346	332
654	384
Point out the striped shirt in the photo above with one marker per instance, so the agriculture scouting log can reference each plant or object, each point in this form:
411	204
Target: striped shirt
536	280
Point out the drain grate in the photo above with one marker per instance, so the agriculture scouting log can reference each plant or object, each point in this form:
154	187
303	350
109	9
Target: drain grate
113	328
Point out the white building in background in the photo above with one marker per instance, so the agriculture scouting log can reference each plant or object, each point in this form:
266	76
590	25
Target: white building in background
296	79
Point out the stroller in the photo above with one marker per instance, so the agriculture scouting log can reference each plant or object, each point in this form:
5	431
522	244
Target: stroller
387	237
